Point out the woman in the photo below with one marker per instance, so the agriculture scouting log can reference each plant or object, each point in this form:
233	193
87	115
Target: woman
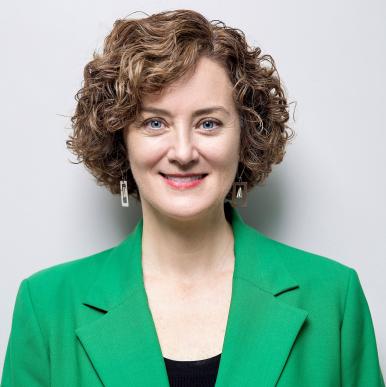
183	115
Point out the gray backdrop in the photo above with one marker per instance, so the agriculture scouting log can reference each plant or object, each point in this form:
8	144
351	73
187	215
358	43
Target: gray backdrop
327	196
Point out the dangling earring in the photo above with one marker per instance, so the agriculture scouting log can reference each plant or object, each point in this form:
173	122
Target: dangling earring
124	194
239	192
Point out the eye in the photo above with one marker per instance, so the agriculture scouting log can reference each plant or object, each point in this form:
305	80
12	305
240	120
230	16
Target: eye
211	122
156	120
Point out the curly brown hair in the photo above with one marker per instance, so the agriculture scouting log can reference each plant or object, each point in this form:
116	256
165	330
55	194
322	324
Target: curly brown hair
142	56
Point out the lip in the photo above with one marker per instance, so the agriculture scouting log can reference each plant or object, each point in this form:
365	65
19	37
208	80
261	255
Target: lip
183	185
183	174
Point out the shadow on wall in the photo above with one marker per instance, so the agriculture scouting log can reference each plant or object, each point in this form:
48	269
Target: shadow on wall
266	205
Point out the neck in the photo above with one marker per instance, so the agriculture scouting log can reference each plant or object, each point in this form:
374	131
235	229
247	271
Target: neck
189	250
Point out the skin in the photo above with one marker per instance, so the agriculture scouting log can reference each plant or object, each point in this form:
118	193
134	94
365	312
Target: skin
187	240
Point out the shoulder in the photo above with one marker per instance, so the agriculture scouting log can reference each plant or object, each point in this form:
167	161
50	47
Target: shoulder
316	274
323	283
67	280
310	264
301	264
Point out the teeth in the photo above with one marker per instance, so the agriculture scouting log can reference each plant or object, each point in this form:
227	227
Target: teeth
184	179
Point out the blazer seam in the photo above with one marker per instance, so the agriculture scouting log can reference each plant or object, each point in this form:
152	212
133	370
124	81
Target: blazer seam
252	283
346	295
36	318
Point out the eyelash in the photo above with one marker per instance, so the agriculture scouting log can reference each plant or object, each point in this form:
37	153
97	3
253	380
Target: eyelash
144	123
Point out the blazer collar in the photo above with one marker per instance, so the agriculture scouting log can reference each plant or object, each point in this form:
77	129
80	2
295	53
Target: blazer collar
120	337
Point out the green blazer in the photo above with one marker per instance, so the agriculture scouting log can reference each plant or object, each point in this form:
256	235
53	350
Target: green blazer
296	319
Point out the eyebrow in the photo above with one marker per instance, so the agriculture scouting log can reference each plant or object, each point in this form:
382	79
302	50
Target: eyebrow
196	113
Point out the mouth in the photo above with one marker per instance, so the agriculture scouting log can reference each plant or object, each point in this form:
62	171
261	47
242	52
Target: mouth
183	181
187	176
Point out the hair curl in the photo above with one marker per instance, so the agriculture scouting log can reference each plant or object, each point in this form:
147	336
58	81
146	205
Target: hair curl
142	56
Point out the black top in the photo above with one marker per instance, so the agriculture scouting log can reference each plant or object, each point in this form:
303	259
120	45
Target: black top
189	373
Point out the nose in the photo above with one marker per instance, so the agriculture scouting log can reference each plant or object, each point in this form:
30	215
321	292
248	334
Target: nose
183	149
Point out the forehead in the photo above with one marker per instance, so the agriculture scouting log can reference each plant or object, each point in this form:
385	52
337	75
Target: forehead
207	84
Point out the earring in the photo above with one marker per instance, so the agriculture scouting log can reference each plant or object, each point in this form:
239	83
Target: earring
124	194
239	192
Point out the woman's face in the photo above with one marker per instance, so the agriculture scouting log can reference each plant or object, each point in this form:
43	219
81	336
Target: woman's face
172	136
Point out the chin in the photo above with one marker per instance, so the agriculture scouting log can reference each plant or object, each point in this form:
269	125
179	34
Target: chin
184	208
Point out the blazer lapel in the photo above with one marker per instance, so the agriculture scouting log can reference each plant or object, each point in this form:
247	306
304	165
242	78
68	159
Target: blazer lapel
261	329
121	339
122	342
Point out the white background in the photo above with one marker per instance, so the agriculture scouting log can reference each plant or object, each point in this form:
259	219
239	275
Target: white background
327	197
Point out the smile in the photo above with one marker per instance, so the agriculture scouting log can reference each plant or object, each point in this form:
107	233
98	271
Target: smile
183	182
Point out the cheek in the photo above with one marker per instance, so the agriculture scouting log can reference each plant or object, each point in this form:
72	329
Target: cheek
143	152
222	153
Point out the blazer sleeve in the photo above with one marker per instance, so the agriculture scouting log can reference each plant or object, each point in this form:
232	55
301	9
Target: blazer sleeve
359	356
26	360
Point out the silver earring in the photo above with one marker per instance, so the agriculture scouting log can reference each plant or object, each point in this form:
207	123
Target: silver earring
124	194
239	192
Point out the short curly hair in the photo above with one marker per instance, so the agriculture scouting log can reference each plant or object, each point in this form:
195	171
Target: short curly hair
142	56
